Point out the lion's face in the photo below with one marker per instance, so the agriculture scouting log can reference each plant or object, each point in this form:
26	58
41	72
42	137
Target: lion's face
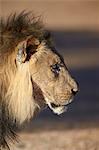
41	78
49	72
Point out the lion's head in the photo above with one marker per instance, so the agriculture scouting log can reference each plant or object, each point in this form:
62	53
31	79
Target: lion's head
32	73
51	75
46	70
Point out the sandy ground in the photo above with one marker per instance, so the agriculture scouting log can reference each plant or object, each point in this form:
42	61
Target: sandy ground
64	137
86	139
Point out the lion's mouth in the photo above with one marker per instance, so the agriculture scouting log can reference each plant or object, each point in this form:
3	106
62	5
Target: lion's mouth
58	108
55	105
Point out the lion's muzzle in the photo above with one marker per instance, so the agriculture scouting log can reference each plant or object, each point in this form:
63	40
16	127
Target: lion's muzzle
58	108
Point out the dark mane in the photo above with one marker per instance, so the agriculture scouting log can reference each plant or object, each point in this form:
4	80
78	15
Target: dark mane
17	27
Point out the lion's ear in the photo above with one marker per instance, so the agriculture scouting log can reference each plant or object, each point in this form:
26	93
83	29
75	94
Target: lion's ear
26	48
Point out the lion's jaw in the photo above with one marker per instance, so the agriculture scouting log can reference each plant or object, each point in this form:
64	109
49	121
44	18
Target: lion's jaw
58	109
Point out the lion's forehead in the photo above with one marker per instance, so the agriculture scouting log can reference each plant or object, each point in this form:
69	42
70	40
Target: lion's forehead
50	57
47	53
53	59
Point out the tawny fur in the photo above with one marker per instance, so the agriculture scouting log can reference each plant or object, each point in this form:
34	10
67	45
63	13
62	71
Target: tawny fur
16	91
28	85
21	90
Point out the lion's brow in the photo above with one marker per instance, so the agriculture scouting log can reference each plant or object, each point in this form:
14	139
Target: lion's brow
58	54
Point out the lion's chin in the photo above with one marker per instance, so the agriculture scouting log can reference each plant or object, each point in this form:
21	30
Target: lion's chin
58	109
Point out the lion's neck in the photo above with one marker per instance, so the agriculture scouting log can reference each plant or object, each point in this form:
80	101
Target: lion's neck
20	95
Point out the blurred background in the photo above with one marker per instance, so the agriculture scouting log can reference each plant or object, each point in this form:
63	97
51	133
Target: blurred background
74	25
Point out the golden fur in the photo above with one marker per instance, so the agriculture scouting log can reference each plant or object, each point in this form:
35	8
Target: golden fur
32	74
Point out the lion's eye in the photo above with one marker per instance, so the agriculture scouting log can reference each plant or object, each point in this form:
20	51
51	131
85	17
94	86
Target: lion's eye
56	69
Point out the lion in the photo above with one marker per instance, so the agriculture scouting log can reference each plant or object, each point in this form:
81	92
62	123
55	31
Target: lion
33	74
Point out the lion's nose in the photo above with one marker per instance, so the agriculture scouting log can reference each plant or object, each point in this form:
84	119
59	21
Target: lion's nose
74	91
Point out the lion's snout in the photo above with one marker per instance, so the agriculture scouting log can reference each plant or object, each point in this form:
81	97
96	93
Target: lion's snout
73	86
63	97
74	91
